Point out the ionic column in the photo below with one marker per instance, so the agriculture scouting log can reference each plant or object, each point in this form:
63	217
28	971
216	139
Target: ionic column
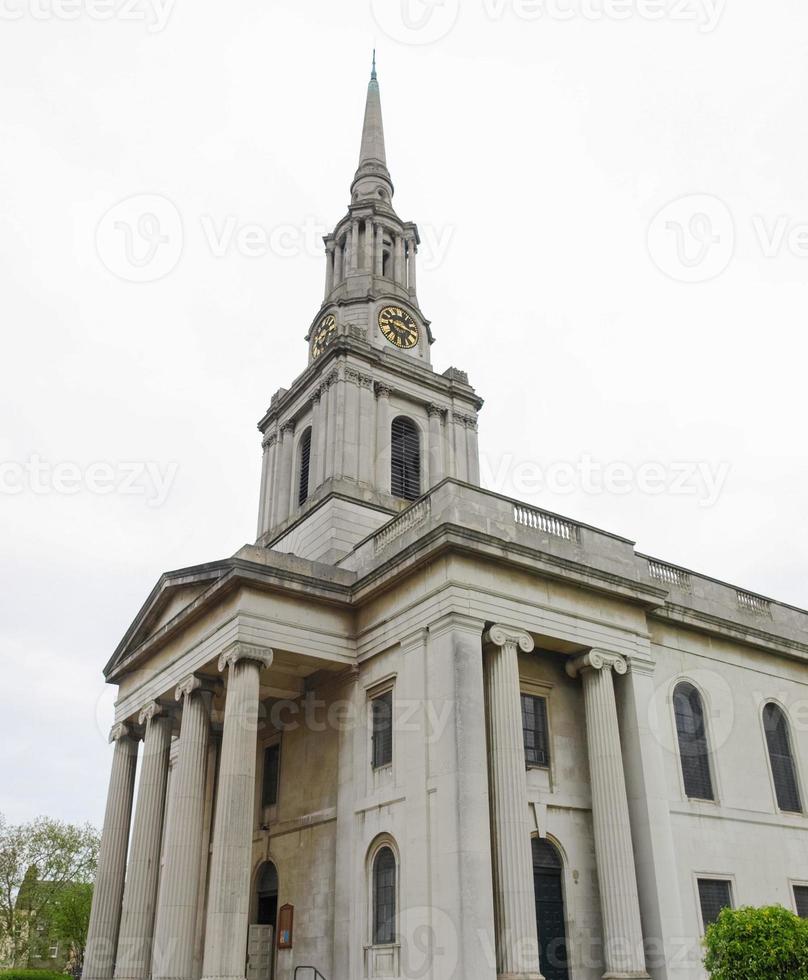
231	862
369	237
105	918
399	273
329	268
283	497
140	894
318	435
473	451
460	447
383	422
267	469
412	251
338	259
175	929
330	391
614	852
367	433
354	245
514	896
436	468
379	252
350	456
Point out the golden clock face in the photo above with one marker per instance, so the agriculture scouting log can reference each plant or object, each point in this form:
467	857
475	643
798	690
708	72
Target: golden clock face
398	327
324	333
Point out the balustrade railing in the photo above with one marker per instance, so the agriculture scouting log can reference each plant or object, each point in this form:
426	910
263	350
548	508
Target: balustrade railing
540	520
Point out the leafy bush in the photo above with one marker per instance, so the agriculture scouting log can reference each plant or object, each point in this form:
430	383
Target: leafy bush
30	975
757	944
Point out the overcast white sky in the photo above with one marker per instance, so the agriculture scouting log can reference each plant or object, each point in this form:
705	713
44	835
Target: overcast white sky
602	323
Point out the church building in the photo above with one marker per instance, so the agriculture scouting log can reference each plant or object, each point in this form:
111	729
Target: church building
421	730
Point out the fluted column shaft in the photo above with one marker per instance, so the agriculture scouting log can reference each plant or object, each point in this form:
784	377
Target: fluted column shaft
140	894
383	422
329	268
105	918
283	501
369	239
338	257
400	273
354	257
175	929
614	852
514	897
436	467
412	251
231	863
378	266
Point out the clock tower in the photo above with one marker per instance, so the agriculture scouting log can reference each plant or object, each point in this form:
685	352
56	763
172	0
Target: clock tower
369	427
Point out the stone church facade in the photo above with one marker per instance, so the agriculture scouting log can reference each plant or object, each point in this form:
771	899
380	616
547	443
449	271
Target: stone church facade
422	730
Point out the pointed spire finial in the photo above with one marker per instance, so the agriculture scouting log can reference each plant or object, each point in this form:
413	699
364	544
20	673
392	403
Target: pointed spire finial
373	76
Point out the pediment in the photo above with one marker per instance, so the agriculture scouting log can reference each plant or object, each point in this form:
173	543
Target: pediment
174	593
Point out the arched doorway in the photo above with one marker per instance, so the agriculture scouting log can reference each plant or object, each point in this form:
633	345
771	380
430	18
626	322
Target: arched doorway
261	936
550	915
267	895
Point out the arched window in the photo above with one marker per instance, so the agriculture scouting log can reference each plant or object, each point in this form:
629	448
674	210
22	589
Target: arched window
384	897
304	467
778	742
405	448
693	748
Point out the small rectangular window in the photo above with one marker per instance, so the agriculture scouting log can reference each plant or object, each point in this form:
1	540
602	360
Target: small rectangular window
534	728
272	771
801	900
715	894
382	708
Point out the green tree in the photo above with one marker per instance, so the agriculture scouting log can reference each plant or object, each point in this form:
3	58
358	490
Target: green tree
70	919
39	859
757	944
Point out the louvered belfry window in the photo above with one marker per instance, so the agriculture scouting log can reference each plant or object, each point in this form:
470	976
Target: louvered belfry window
384	898
305	468
693	747
714	896
406	459
778	742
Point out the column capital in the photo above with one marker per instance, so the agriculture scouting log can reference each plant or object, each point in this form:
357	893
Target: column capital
269	441
190	685
507	636
288	426
382	390
120	731
597	660
234	654
456	622
150	711
433	410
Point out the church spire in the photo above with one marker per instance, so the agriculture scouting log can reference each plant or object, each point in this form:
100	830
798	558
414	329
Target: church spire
373	179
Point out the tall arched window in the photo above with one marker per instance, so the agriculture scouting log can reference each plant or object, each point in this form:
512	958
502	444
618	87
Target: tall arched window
405	481
778	742
693	747
304	469
384	897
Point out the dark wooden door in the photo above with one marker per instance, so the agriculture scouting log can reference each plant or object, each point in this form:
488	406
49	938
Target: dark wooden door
550	915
